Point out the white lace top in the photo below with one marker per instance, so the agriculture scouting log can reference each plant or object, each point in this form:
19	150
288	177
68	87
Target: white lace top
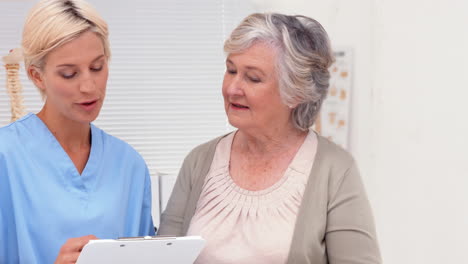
242	226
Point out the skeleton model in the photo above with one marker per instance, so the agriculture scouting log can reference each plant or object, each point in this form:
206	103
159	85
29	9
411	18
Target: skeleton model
14	88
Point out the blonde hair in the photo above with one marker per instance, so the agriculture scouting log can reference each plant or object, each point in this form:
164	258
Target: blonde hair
304	56
52	23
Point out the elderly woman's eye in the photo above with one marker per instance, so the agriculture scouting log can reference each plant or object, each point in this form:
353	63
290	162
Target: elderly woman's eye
231	71
254	79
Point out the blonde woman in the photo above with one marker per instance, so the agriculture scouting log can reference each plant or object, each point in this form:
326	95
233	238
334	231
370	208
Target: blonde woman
63	181
274	191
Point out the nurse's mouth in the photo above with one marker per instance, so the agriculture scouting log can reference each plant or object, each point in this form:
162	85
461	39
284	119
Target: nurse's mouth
88	105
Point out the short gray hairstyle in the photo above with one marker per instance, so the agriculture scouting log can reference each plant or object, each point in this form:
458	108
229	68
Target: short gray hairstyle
304	56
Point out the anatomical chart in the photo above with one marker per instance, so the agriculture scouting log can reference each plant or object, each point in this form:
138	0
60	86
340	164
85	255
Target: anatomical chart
333	121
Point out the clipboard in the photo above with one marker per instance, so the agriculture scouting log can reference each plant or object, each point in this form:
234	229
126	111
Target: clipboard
142	250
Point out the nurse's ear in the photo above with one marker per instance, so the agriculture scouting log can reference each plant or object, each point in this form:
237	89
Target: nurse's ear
35	74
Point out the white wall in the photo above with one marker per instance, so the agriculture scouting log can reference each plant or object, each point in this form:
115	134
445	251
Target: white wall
409	130
421	144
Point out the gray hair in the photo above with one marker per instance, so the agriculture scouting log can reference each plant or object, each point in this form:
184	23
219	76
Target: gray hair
304	56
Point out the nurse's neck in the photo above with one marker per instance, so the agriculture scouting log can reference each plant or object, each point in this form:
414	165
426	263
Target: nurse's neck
73	136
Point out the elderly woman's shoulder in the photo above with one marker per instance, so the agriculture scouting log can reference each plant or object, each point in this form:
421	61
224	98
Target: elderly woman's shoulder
204	152
332	154
205	148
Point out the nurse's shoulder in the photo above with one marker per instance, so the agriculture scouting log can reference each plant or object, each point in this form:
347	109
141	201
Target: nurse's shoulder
114	145
10	135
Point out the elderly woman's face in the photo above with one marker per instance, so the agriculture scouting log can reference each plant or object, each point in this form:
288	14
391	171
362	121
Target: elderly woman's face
74	78
250	89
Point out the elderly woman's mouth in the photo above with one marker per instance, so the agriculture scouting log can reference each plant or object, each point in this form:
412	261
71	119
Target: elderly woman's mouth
239	106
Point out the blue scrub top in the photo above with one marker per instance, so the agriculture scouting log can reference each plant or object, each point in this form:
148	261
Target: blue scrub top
44	200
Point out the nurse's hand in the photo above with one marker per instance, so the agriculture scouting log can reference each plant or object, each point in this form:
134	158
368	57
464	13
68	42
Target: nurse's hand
72	248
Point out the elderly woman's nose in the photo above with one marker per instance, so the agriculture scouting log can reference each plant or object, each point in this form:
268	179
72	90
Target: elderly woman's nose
234	86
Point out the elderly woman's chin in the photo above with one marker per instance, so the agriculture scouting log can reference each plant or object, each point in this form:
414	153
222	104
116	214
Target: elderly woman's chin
235	123
239	122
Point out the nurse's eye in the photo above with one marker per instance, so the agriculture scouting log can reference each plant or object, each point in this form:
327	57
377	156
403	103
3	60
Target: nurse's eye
68	75
96	69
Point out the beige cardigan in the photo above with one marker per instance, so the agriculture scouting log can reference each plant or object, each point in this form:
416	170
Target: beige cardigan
334	224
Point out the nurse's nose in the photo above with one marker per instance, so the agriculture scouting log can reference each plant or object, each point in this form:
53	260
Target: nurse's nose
87	84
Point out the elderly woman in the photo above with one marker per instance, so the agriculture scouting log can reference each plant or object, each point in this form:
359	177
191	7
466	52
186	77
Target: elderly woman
274	191
62	178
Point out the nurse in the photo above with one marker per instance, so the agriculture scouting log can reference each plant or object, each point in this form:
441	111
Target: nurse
63	181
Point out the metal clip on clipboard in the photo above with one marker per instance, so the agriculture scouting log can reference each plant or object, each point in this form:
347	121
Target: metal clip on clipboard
145	238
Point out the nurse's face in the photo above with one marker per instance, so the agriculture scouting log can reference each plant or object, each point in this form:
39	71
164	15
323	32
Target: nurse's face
74	79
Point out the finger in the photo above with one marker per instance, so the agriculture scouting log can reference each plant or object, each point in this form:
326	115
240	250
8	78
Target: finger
77	243
85	240
72	257
90	237
68	258
70	251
